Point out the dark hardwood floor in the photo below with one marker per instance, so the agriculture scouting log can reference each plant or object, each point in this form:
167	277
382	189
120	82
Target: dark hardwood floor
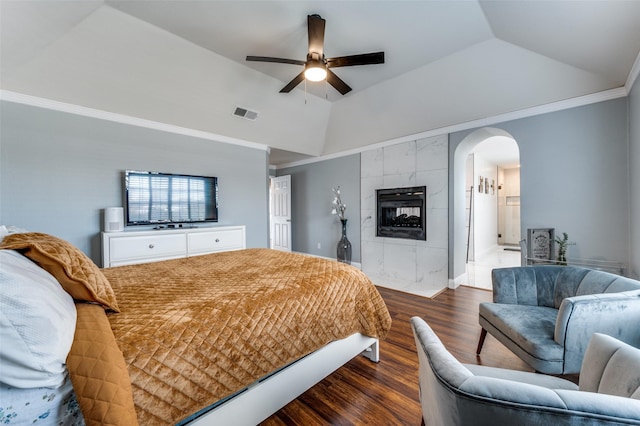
364	393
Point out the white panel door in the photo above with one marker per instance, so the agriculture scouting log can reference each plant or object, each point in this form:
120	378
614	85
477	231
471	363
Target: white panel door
281	213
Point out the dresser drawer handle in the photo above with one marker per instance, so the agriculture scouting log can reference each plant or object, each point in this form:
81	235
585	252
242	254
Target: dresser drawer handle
217	240
151	246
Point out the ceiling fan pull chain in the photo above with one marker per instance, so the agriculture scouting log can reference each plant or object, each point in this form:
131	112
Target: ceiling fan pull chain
305	91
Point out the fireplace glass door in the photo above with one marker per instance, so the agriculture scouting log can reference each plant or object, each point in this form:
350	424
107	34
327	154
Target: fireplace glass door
401	213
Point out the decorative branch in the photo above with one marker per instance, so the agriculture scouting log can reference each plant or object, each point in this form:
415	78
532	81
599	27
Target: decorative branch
337	206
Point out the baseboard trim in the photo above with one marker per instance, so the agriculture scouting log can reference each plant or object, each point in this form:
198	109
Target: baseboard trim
458	281
354	264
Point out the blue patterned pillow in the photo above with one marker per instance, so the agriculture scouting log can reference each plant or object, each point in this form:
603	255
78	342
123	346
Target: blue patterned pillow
46	406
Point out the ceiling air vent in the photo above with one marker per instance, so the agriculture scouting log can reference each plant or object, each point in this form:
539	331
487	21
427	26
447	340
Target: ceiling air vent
247	114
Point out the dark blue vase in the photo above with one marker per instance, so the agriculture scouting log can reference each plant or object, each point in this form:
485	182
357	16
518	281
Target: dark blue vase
344	245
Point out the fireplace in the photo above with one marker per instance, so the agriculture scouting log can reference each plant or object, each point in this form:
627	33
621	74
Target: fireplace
401	213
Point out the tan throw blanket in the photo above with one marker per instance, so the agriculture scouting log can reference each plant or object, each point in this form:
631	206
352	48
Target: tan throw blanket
196	330
98	372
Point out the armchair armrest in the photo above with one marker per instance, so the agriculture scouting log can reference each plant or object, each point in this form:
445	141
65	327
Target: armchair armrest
615	409
614	314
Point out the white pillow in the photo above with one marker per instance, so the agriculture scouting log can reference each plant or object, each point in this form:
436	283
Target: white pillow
37	324
6	230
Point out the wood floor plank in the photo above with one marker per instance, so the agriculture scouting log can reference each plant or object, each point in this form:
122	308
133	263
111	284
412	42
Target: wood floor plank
386	393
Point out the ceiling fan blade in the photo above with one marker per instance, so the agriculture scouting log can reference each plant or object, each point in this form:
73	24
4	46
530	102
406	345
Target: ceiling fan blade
276	60
336	82
293	83
363	59
315	31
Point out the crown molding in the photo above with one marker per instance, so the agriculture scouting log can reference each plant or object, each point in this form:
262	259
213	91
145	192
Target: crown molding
633	74
606	95
36	101
593	98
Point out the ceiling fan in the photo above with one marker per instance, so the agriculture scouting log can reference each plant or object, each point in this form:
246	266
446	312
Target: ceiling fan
317	67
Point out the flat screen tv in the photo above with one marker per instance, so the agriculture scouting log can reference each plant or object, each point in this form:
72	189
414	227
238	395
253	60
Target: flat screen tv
153	198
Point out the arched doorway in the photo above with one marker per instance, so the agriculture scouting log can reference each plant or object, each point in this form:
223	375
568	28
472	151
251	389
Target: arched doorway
485	197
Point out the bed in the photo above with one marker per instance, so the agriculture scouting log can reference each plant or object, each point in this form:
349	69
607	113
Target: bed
200	339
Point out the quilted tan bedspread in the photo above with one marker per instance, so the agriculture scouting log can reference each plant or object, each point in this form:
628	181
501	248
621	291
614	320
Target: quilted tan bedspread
196	330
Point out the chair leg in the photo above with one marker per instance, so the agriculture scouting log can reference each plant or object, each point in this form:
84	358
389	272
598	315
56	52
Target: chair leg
483	335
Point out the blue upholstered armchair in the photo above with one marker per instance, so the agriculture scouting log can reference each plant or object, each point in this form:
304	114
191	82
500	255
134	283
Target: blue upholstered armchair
453	394
547	314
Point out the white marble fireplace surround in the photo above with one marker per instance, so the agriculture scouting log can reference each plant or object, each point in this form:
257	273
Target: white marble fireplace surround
412	266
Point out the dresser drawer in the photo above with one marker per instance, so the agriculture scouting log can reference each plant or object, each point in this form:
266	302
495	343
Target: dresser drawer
135	249
128	248
214	241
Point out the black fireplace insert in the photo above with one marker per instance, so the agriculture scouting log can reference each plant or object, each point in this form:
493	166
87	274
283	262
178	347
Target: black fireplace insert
402	213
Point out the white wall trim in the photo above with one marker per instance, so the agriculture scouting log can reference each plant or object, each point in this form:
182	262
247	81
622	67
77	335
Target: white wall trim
593	98
633	74
357	265
458	281
124	119
488	121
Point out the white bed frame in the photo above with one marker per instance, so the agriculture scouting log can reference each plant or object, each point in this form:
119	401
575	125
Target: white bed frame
263	398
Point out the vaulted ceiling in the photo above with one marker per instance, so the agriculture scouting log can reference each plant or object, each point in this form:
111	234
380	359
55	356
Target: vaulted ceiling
182	62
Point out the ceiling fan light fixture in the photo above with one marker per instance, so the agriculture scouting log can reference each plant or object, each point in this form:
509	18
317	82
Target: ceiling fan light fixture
316	67
315	71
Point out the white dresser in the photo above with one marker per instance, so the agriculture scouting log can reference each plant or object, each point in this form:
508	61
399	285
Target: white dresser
130	247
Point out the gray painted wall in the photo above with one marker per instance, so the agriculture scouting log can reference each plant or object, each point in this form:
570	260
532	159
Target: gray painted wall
574	177
311	195
59	171
634	179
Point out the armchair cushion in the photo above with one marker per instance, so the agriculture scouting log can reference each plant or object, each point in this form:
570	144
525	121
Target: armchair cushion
529	327
543	380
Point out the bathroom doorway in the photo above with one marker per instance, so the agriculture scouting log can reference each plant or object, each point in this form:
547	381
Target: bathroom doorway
492	206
